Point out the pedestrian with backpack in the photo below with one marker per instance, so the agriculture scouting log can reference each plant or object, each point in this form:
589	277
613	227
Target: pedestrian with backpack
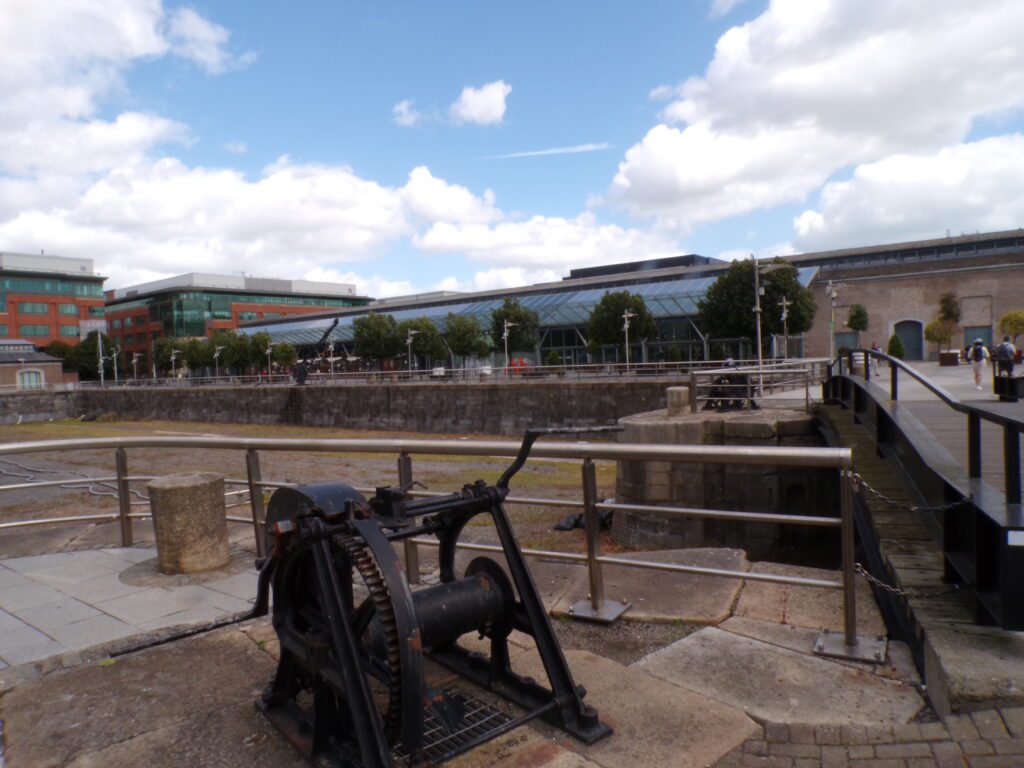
977	355
1005	355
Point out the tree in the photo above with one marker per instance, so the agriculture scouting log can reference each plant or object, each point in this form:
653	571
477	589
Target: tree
86	359
465	337
258	344
940	332
284	354
1012	324
197	354
376	336
727	309
235	354
605	325
895	348
949	308
523	337
427	341
162	350
66	353
857	320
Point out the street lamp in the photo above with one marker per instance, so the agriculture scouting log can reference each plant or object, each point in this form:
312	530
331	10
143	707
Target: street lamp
507	325
785	303
270	365
757	313
136	356
626	315
831	294
117	353
408	346
216	361
330	353
100	357
174	356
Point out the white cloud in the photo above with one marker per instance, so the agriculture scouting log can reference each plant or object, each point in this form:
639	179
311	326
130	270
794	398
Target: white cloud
574	150
721	8
484	105
431	199
236	147
963	188
200	40
405	115
807	89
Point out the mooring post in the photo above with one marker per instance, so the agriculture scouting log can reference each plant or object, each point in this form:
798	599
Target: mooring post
593	534
124	498
849	586
410	548
252	468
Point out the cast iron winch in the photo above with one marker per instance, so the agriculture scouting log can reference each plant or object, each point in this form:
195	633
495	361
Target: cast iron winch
349	688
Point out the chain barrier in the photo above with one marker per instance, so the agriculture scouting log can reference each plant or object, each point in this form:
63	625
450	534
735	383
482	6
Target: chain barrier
862	571
861	482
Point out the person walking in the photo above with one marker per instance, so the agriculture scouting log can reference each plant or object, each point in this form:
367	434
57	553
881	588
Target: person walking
977	355
1005	355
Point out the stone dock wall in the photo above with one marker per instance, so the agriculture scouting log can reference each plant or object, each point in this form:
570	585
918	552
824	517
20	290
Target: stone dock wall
450	408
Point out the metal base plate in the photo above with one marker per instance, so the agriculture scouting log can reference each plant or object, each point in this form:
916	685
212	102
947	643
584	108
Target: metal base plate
609	612
871	650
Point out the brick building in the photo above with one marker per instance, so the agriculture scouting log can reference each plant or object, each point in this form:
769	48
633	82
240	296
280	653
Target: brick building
22	367
195	305
48	298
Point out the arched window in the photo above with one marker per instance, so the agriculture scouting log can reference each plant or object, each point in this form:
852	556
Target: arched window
30	378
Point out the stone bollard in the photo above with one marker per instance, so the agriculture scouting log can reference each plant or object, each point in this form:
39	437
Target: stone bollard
677	400
189	522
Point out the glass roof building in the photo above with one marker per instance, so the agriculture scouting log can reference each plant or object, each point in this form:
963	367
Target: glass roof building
563	308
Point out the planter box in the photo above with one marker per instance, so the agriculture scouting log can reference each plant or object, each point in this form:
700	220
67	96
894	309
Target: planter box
949	358
1009	388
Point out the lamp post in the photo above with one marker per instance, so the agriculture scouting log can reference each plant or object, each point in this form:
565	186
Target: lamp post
117	353
330	357
21	373
832	294
784	303
174	356
757	314
408	347
626	315
270	365
100	358
507	325
136	356
216	361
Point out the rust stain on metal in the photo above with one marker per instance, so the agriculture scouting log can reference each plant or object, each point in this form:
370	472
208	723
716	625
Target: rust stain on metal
415	641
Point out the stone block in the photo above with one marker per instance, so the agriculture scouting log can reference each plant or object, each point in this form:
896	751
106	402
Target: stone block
189	522
678	400
752	429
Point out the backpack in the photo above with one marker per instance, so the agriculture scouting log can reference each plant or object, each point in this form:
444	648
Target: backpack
977	353
1003	352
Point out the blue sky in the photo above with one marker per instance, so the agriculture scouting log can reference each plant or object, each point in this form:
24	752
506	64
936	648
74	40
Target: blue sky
158	137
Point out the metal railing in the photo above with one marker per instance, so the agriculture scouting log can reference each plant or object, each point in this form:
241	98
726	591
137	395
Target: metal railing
740	386
838	459
477	375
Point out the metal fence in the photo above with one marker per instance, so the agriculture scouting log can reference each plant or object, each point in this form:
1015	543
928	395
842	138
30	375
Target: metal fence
838	459
739	387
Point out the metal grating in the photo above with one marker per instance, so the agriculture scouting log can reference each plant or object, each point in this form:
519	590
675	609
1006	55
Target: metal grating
479	721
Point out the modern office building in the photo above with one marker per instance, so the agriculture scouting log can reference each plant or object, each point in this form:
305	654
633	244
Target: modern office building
48	298
899	284
195	305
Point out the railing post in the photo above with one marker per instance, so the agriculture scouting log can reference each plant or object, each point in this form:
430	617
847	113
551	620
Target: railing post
410	548
849	586
894	378
693	391
973	445
1011	463
124	498
867	365
595	608
807	390
252	468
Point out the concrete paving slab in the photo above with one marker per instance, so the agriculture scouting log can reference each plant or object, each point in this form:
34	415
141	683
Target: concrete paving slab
72	572
9	621
241	585
661	596
39	562
777	685
56	614
197	596
100	588
94	630
806	606
131	554
971	669
10	578
20	646
142	693
28	596
203	614
656	722
140	607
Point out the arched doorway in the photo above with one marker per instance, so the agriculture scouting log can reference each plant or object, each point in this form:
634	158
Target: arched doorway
911	333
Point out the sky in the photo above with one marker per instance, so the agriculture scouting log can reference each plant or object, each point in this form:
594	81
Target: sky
409	146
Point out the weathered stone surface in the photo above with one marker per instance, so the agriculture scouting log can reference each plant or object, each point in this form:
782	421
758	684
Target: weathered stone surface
189	522
778	685
677	400
973	669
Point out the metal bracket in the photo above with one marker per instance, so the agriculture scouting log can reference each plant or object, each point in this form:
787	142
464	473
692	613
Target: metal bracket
870	650
608	613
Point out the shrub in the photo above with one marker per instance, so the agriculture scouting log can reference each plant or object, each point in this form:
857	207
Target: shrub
896	347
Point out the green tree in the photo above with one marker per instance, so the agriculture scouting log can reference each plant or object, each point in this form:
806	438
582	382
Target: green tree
284	354
162	350
258	344
605	325
949	308
66	353
197	354
465	337
940	332
427	341
895	347
85	358
376	336
552	358
523	336
235	354
727	309
1012	324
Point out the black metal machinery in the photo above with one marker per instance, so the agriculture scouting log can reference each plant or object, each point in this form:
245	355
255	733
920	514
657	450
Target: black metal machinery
349	688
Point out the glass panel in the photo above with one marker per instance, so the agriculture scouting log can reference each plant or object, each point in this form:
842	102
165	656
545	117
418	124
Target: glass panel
68	309
34	330
69	330
33	307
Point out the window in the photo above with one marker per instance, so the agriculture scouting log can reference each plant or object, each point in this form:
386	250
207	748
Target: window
271	315
246	316
69	330
34	330
33	307
4	331
30	379
68	309
115	323
128	322
96	311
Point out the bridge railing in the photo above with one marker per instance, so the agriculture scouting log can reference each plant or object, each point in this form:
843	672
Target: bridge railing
598	606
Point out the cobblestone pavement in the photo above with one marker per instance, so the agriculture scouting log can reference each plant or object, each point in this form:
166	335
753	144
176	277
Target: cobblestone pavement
988	739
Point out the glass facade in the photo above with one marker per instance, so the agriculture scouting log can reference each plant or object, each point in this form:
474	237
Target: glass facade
33	308
68	309
34	330
53	286
69	330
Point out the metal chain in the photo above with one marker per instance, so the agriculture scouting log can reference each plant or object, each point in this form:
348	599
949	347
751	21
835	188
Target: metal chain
902	592
901	504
